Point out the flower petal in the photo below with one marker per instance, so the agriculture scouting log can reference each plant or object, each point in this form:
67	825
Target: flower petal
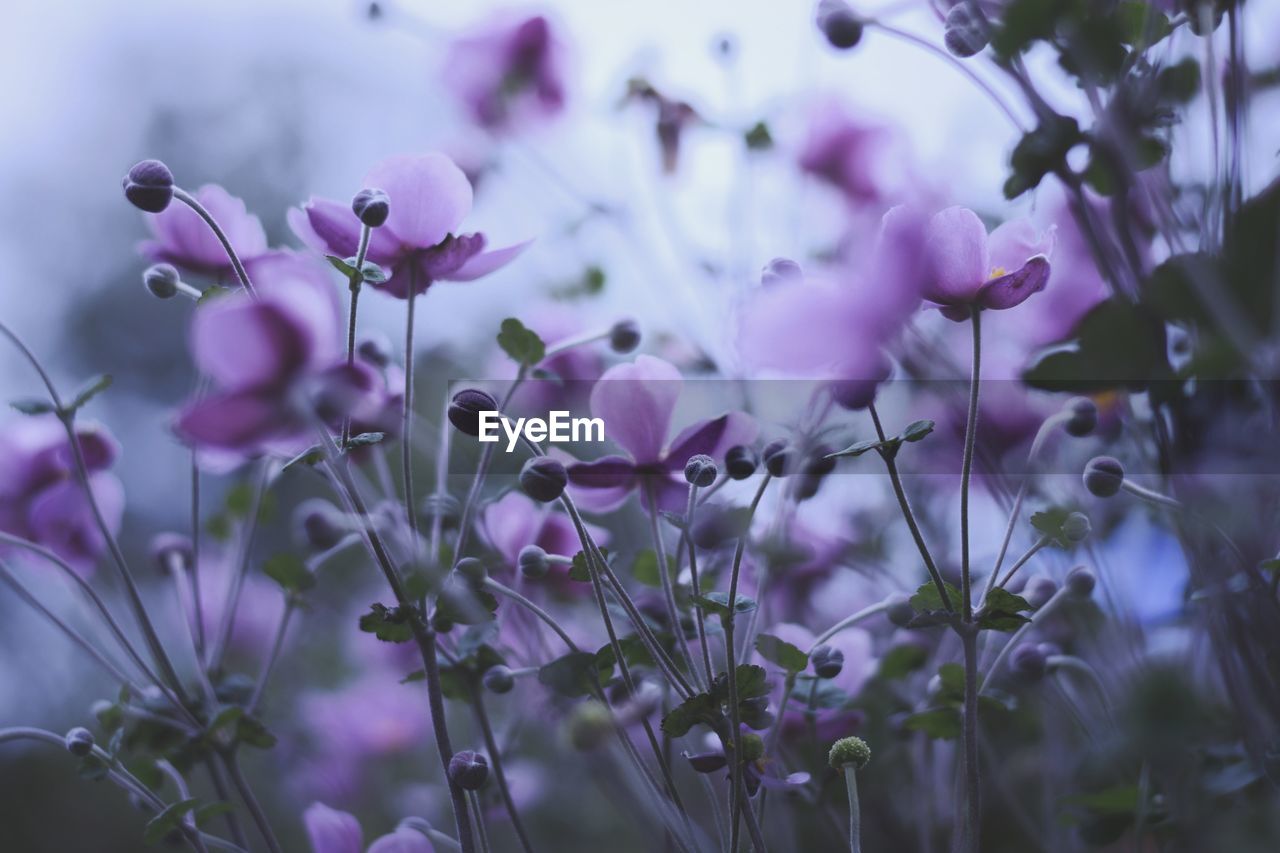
331	227
712	437
607	472
1015	242
332	831
241	421
402	841
1014	288
957	248
635	401
486	262
429	195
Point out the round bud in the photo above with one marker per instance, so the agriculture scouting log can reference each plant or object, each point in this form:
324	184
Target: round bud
319	524
1038	590
827	662
79	742
590	725
172	551
472	570
1081	581
741	461
162	280
498	679
149	186
1076	527
465	409
752	747
706	762
375	350
469	770
543	479
780	271
1083	416
899	610
849	751
624	336
700	471
1103	476
533	562
371	206
966	31
839	24
779	458
1028	662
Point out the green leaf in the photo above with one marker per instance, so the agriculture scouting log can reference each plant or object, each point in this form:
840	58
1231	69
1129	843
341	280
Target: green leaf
414	677
858	448
916	430
753	682
1139	23
211	293
634	651
951	675
580	570
758	137
1122	799
251	731
645	569
290	572
901	661
365	439
575	674
927	598
93	388
943	723
717	603
699	708
417	584
389	624
33	406
347	268
782	653
1049	523
169	820
523	345
1002	611
313	455
1116	345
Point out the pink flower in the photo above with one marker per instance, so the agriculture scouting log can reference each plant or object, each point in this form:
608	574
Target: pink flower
508	73
974	270
182	238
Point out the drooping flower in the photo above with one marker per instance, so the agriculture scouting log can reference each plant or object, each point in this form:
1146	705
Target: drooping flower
419	244
847	154
972	269
40	497
508	74
180	237
636	402
332	831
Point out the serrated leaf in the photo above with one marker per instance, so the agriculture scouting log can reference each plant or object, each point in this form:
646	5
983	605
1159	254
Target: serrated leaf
928	599
699	708
168	821
717	603
522	344
782	653
753	682
1002	611
389	624
634	651
290	572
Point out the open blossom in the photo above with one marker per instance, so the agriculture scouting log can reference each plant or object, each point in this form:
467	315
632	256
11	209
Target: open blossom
40	496
972	269
508	72
636	402
276	364
180	237
420	243
332	831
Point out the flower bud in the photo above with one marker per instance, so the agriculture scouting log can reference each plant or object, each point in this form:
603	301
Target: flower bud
371	206
1028	662
319	524
839	24
149	186
741	461
706	762
1081	581
533	562
966	30
543	479
827	662
472	570
1103	476
899	610
589	725
849	751
1038	590
172	551
752	747
498	679
79	742
1076	527
162	280
1083	416
375	350
465	409
624	336
779	458
700	471
780	271
468	770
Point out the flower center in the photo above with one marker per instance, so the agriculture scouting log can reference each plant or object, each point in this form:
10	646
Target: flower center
996	272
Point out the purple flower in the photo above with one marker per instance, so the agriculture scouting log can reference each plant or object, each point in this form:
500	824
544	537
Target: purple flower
514	521
847	154
333	831
508	74
972	269
419	244
636	402
40	497
181	237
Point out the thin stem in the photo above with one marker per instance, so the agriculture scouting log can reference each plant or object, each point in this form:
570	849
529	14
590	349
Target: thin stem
1050	423
406	438
668	588
1021	561
354	286
499	775
191	202
186	596
972	771
892	466
966	467
486	457
197	595
276	645
699	617
848	622
251	802
1047	608
855	813
493	586
248	531
234	828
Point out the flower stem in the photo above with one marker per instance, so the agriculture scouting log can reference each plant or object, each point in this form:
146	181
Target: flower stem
855	813
191	202
499	776
247	533
699	617
967	630
251	802
668	588
272	656
406	437
966	466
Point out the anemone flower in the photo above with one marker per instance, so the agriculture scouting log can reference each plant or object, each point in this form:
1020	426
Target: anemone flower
972	269
180	237
420	243
333	831
508	73
636	402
